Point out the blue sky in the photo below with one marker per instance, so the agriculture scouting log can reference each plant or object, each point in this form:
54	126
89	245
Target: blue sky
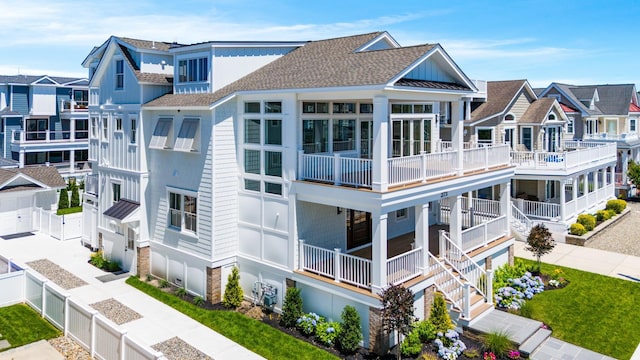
578	42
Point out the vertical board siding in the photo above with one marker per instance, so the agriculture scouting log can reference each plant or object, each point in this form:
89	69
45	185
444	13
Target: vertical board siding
20	99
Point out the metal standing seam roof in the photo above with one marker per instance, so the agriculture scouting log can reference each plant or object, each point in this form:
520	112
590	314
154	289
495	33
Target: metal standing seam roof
318	64
122	209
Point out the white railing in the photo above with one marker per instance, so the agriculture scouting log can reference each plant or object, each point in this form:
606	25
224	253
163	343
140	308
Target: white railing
22	136
483	158
74	106
405	266
87	327
61	227
477	277
520	222
538	209
481	211
481	235
354	171
581	154
316	167
449	284
610	136
317	259
354	270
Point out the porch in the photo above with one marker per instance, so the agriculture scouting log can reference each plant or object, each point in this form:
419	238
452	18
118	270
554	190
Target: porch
48	136
576	155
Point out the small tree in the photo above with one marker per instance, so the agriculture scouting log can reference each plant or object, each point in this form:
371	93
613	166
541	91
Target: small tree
63	203
75	196
633	173
397	311
292	307
439	316
350	334
540	242
233	292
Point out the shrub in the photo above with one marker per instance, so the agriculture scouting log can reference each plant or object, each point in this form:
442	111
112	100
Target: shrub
611	212
497	342
307	323
75	196
526	310
163	284
112	265
63	203
603	215
292	307
471	353
181	292
617	205
327	332
425	330
233	295
577	229
449	344
198	301
439	316
540	242
519	290
411	345
351	333
587	220
505	272
148	277
97	259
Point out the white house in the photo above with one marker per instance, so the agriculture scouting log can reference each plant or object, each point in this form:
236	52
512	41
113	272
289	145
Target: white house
318	165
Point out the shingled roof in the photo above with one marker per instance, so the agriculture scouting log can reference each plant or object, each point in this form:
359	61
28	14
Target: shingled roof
153	78
318	64
46	175
537	111
149	44
499	96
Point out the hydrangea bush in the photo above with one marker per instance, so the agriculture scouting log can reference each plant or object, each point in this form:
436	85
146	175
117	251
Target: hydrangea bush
308	323
327	332
449	344
518	290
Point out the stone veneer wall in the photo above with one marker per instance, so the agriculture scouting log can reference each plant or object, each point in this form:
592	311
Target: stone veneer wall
512	254
214	285
488	262
429	294
378	340
143	264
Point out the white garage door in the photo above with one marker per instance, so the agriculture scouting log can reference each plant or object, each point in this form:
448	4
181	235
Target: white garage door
16	214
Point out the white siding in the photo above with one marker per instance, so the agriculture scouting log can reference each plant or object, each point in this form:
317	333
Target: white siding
152	63
43	100
321	225
430	70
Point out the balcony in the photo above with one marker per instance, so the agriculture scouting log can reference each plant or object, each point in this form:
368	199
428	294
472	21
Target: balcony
72	106
577	155
603	136
341	169
48	136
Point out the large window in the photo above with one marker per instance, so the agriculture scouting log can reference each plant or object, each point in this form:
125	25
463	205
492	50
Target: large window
119	75
410	137
193	70
183	211
134	130
344	135
105	129
632	125
315	136
526	137
94	127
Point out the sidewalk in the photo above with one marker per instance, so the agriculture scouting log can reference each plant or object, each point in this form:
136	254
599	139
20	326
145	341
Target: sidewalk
159	322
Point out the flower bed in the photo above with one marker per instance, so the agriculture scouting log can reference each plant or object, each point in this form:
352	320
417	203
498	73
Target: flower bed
520	290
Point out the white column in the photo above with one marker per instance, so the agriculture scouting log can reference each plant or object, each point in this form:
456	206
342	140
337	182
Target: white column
422	231
72	129
72	161
563	201
380	178
455	222
625	166
574	191
505	202
379	251
21	158
457	132
293	230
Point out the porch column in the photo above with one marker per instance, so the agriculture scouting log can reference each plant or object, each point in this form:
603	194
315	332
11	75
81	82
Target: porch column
574	191
455	220
505	202
21	158
457	133
72	129
625	166
379	177
72	161
563	200
378	251
422	231
293	233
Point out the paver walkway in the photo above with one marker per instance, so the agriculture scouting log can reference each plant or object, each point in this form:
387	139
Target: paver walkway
159	322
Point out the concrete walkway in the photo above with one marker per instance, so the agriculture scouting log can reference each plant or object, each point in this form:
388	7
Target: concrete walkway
159	322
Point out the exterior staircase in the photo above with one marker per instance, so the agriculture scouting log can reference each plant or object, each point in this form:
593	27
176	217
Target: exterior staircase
520	224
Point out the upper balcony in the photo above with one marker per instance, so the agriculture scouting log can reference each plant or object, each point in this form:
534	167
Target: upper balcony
348	169
576	156
73	106
613	137
50	138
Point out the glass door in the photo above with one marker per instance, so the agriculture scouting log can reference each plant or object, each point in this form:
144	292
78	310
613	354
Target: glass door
358	228
366	139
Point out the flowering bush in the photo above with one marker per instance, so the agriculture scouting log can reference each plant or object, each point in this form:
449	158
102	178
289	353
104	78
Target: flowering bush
513	354
308	323
327	332
489	356
520	289
449	344
554	283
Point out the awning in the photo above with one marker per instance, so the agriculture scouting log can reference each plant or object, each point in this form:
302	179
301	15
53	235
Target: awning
124	211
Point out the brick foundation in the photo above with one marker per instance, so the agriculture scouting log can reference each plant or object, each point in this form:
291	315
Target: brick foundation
143	264
214	285
512	254
429	294
378	340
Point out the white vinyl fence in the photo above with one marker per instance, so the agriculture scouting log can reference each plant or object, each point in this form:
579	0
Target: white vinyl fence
61	227
90	329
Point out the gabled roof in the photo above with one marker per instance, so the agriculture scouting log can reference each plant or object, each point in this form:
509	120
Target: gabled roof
148	78
42	79
319	64
538	110
19	179
609	99
500	94
148	44
568	109
634	108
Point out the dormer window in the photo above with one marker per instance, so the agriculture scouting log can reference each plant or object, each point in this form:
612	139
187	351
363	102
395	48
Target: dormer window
119	74
551	117
510	118
193	70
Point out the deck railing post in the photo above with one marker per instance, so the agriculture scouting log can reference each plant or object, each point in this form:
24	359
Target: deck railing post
486	234
300	164
466	299
337	170
424	167
486	157
336	264
442	242
489	290
301	254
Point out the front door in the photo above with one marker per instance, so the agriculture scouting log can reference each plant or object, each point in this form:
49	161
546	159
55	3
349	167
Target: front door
130	249
358	228
552	139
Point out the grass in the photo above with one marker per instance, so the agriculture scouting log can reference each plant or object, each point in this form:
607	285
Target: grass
71	210
21	325
252	334
594	311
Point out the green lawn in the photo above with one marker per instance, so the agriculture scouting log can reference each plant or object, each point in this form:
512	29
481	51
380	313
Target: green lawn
21	325
71	210
252	334
594	311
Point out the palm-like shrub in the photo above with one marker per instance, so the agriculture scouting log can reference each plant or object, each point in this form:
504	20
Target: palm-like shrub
63	203
75	196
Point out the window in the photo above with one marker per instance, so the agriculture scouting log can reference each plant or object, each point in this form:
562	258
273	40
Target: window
183	211
509	117
131	239
551	117
273	107
570	124
252	131
401	214
315	107
252	185
485	136
526	137
118	124
411	108
366	108
252	107
344	135
193	70
252	161
134	130
119	80
273	188
105	129
632	125
186	137
315	136
273	163
94	127
273	132
344	108
115	192
161	134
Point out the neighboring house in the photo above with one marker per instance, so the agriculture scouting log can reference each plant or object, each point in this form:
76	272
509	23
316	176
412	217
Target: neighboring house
317	165
21	191
43	120
604	113
556	177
